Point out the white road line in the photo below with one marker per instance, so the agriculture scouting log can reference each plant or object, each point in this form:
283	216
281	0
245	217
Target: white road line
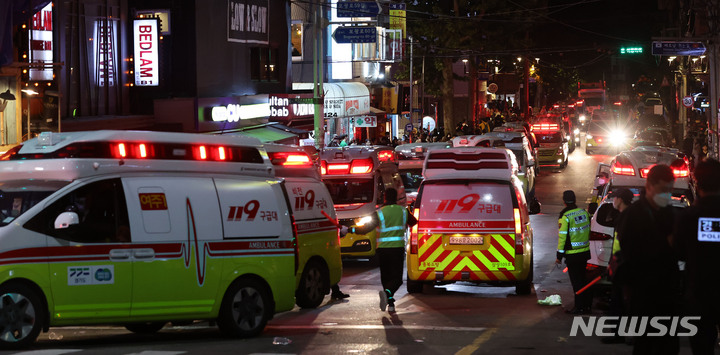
378	327
48	352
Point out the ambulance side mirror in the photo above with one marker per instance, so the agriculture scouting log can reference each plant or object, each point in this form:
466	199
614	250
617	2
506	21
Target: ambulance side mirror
66	219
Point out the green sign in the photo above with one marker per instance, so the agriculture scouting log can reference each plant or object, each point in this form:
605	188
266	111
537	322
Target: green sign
631	50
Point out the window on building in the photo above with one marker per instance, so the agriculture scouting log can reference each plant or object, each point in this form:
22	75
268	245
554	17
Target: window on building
296	38
264	64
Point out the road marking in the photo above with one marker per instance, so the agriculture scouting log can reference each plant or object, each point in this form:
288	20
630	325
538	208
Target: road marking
477	342
49	352
377	327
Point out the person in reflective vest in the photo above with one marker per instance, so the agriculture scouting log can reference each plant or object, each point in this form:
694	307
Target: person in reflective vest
391	221
574	246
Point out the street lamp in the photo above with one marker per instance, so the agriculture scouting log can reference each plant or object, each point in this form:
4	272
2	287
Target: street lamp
6	96
29	92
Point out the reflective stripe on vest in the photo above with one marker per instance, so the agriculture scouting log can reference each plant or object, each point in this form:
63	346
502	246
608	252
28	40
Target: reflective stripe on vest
390	234
578	231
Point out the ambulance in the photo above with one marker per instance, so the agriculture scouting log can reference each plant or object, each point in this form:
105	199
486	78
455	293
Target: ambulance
553	141
319	263
473	222
411	157
141	228
519	144
357	177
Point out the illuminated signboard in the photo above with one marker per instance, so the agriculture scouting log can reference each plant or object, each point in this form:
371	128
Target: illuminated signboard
235	112
284	106
41	44
145	38
105	50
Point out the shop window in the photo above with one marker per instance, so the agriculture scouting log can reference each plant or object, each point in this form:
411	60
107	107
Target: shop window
296	38
264	64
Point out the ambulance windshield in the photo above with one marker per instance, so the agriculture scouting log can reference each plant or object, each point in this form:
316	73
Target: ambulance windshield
18	196
349	191
550	137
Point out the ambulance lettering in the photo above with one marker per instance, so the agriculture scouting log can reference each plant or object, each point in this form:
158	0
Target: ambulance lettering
251	210
264	245
153	201
466	204
302	201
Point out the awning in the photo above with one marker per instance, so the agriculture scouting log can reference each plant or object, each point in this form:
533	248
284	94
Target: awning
272	133
346	99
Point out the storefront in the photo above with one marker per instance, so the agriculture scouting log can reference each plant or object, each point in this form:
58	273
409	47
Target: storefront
347	105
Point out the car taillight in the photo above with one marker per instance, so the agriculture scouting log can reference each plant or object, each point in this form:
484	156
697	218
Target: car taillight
680	169
323	167
518	231
599	236
361	166
623	169
414	234
644	172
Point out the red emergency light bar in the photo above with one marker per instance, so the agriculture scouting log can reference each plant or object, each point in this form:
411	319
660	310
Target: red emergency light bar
151	151
617	103
357	166
545	127
296	159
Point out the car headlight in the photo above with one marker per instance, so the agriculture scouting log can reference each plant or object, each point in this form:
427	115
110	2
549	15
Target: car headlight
576	131
588	136
582	118
363	221
617	138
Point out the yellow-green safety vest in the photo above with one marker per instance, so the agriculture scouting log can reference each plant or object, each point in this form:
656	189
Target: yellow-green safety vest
391	230
575	225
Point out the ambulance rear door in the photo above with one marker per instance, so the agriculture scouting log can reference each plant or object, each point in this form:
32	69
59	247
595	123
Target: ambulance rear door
466	226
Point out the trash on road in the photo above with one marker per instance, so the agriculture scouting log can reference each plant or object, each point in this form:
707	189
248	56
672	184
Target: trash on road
281	341
562	340
552	300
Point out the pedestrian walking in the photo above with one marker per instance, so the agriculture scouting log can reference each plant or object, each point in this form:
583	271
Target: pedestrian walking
697	241
649	267
574	247
391	221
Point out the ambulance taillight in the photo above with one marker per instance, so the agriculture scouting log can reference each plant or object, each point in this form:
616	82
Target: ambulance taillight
414	234
680	168
290	159
323	167
386	155
518	231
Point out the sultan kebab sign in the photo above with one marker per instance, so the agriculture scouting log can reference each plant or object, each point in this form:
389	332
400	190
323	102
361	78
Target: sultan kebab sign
145	39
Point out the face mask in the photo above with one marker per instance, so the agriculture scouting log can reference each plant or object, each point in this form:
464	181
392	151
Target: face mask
662	199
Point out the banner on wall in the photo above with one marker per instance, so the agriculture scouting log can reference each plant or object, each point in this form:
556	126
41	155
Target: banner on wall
248	21
105	51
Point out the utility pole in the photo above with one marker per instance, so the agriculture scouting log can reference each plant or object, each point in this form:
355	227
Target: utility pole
713	119
318	76
410	96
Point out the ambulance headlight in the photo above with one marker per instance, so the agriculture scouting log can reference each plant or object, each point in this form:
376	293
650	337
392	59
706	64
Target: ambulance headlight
363	221
587	136
582	118
576	131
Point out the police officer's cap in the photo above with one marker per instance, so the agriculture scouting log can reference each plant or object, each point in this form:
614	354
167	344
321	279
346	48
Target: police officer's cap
569	196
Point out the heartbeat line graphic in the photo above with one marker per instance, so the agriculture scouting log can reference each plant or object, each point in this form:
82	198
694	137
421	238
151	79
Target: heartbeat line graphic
193	239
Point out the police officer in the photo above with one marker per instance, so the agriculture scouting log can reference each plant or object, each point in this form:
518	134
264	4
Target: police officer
649	266
391	220
697	241
574	246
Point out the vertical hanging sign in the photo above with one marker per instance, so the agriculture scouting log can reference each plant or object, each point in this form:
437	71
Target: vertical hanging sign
145	41
104	50
41	44
397	22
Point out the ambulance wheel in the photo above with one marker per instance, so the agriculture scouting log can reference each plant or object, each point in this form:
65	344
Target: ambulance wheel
525	287
22	316
564	164
245	310
145	328
314	285
414	286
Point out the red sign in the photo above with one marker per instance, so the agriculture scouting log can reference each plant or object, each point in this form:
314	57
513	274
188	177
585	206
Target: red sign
153	202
